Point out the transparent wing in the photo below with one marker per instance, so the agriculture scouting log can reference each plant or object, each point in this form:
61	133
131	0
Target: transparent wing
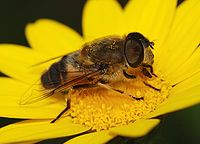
37	93
45	61
34	94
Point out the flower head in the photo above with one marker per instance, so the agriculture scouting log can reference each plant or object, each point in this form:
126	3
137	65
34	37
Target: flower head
101	113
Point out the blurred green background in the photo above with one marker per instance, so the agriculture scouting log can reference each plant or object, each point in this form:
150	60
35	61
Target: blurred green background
180	127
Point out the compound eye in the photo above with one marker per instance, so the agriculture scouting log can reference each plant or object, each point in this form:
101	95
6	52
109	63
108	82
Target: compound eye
134	52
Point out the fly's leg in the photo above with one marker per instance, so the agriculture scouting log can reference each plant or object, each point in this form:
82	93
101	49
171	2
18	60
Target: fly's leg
146	73
128	76
118	91
63	111
151	70
154	88
69	100
149	74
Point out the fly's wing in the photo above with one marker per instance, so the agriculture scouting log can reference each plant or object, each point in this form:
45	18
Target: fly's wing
37	93
79	80
51	59
48	60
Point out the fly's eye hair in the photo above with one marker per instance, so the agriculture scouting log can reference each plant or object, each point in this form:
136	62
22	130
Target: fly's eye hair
134	49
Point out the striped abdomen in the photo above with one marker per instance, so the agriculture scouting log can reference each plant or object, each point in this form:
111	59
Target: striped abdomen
56	75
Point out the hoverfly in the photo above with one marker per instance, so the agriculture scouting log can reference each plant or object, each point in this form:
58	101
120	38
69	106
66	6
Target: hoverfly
96	63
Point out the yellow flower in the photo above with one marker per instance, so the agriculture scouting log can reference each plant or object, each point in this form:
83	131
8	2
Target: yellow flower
176	32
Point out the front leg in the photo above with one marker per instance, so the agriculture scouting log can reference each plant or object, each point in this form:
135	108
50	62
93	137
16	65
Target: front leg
146	72
150	68
128	76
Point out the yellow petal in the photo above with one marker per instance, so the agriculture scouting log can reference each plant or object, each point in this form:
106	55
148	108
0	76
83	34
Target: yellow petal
178	101
16	60
30	130
182	41
52	38
187	70
21	53
102	18
92	138
137	129
187	83
183	9
10	94
150	17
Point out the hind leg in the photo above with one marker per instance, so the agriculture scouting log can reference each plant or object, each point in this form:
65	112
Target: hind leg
63	111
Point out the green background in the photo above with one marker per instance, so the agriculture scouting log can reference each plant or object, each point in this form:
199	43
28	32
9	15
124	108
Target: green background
180	127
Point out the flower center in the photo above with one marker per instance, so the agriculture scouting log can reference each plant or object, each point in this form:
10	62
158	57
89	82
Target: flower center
101	108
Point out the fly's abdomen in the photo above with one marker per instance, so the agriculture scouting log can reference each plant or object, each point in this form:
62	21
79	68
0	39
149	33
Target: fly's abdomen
55	76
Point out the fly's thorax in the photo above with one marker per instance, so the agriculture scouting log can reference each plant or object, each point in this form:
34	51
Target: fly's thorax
106	50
